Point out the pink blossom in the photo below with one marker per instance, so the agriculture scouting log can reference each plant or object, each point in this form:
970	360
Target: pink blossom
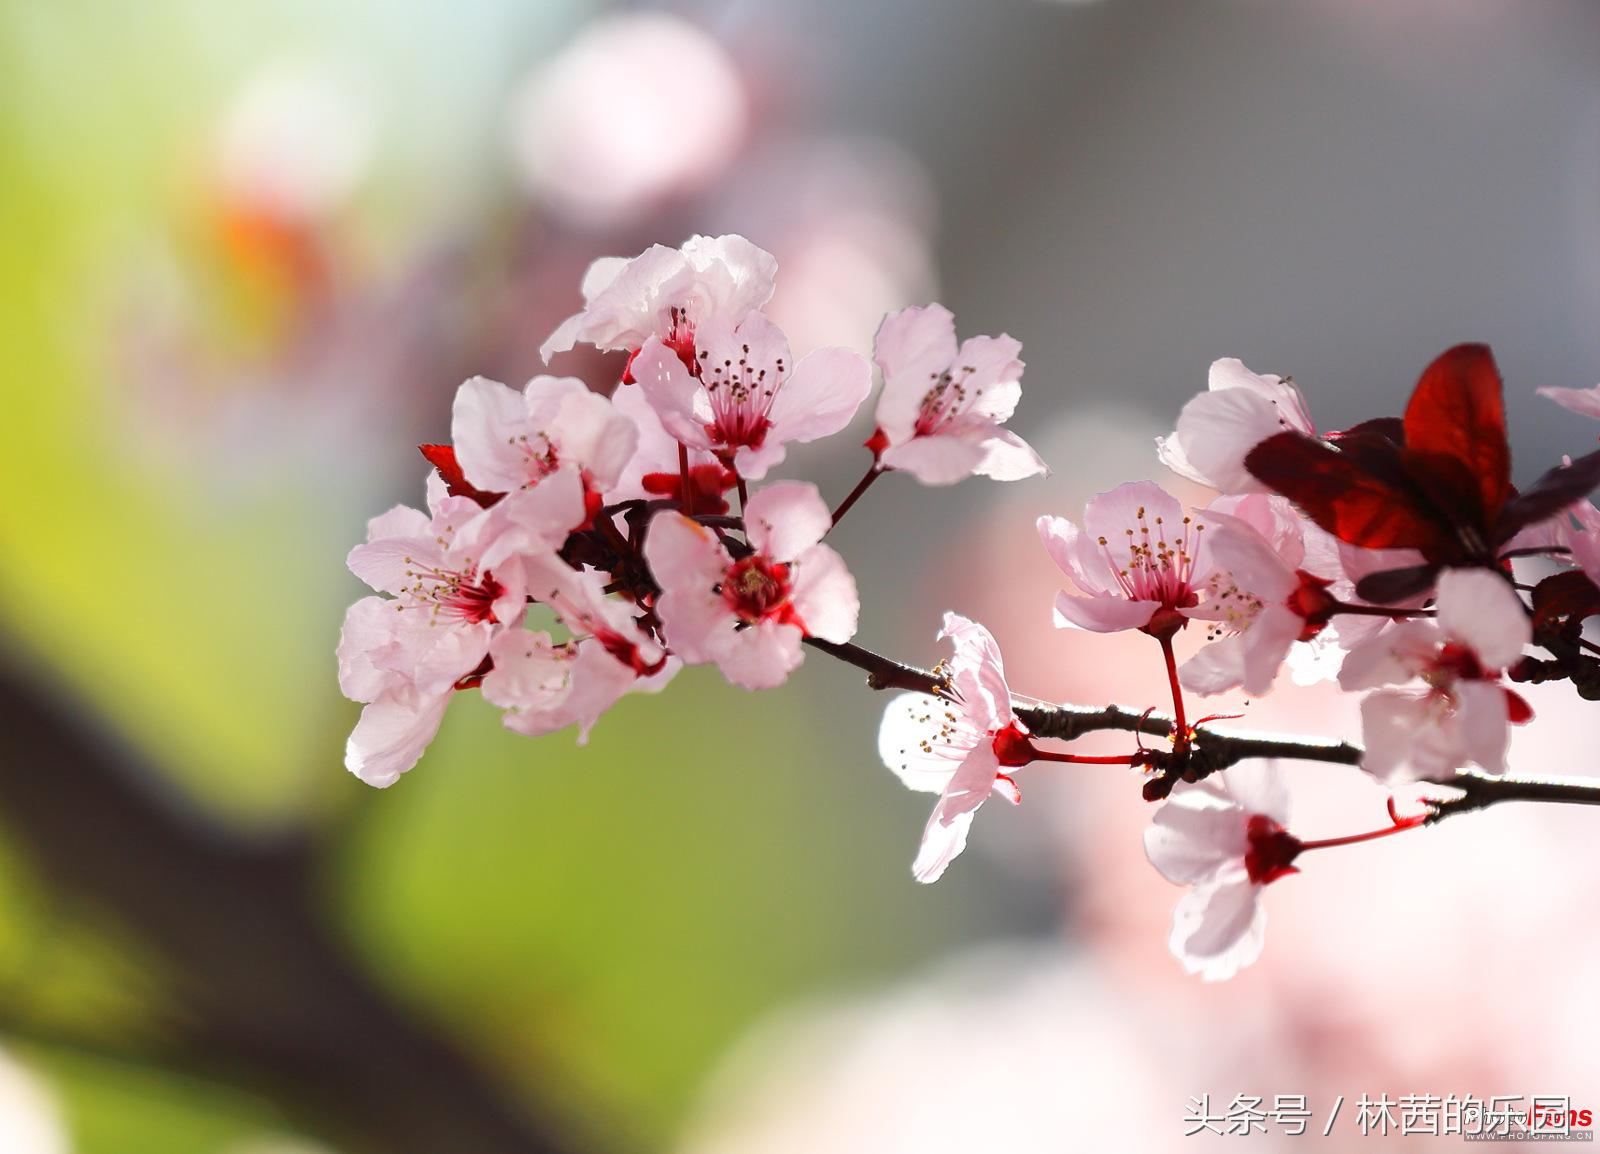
942	409
545	685
667	293
956	745
1461	718
1223	837
642	105
653	470
506	441
1218	428
455	579
1139	562
1584	401
1260	599
749	615
741	395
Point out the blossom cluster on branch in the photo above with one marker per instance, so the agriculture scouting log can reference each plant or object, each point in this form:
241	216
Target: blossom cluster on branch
577	548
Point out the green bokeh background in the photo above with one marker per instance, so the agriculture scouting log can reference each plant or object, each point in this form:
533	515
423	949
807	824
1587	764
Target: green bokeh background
598	924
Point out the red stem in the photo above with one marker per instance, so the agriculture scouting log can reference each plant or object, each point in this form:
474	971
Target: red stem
1085	758
1180	726
685	491
855	494
1399	826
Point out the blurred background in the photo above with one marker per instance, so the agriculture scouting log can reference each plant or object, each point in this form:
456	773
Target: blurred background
249	251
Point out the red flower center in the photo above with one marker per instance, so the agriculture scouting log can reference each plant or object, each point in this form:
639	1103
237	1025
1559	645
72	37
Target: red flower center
1312	601
757	589
1272	850
473	600
1013	747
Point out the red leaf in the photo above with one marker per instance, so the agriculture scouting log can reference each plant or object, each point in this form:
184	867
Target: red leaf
1549	495
443	458
1391	585
1357	490
1458	413
1569	594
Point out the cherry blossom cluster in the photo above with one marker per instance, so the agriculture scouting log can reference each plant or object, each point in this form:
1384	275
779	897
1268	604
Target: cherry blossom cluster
576	548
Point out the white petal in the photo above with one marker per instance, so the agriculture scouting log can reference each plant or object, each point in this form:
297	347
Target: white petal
904	741
1481	610
1484	724
1194	835
1219	929
1258	786
1217	430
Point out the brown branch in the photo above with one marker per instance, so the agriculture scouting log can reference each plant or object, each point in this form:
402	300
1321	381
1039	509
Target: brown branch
270	993
1216	749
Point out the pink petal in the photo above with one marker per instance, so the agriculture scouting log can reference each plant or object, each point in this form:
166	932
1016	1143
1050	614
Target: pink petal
992	375
1102	614
485	421
825	595
978	673
392	734
945	835
1007	457
940	459
913	346
1584	401
683	554
787	518
822	395
677	397
759	657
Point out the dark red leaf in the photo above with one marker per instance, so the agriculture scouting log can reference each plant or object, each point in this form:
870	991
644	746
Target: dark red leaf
1550	494
1391	429
1569	594
1518	711
1357	490
1458	412
443	458
1393	585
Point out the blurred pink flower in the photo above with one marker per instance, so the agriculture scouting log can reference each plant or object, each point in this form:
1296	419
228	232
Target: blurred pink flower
640	107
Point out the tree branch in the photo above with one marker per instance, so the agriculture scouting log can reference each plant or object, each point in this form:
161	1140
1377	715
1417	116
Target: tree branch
270	993
1216	749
